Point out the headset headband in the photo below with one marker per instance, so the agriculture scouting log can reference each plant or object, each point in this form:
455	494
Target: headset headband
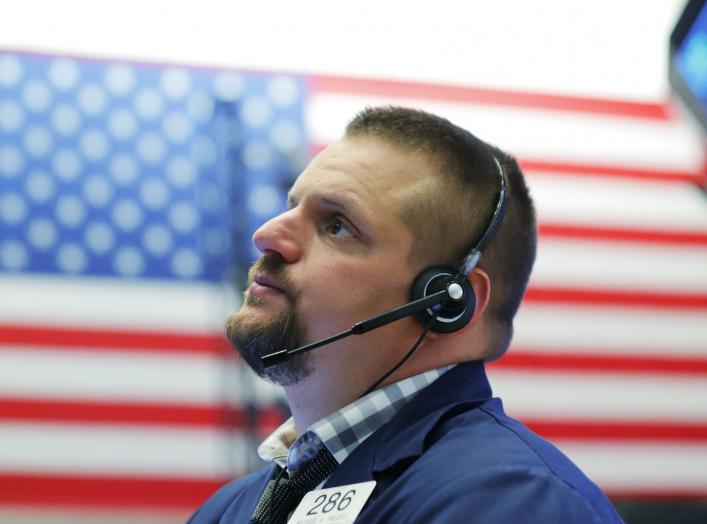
472	259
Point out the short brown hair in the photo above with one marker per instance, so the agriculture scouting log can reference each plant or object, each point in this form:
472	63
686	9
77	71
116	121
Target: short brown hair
448	226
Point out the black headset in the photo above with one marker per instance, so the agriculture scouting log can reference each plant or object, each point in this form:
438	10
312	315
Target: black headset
455	314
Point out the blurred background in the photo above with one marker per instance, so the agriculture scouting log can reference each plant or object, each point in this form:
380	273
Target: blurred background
141	144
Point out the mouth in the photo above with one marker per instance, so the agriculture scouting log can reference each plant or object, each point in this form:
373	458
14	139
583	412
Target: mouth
264	281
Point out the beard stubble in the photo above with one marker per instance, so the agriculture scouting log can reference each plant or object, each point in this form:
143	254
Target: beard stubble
253	338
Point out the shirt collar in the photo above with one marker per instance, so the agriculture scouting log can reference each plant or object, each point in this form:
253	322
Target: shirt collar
342	431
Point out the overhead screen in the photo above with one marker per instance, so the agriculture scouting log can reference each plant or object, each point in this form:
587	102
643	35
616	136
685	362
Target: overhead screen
688	59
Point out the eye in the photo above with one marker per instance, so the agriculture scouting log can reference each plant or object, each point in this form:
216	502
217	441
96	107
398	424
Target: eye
338	228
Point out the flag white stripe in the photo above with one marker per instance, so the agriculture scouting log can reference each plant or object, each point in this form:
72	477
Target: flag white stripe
115	515
658	332
607	396
634	466
615	202
111	375
614	265
103	302
119	450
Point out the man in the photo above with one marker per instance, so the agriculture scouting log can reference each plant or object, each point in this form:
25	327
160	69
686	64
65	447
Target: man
407	404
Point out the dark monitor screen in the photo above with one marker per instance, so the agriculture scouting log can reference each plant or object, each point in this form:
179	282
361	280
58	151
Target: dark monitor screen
688	59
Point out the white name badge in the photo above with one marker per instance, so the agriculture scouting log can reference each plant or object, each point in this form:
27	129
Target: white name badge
339	505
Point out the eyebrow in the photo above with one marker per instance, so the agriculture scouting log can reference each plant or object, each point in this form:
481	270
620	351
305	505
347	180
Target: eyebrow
345	205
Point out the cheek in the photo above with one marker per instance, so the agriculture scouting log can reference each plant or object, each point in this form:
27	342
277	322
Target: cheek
343	294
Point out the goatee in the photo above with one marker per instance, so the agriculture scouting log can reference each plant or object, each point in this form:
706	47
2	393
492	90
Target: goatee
254	338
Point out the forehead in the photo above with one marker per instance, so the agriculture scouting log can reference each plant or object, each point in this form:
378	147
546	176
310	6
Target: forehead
374	173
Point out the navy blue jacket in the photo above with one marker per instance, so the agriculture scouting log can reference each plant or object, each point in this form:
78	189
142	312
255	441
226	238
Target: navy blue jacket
450	455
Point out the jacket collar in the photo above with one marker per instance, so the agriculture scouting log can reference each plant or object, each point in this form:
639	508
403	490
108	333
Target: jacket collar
404	436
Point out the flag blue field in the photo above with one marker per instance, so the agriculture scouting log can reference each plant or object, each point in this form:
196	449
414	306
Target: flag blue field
134	171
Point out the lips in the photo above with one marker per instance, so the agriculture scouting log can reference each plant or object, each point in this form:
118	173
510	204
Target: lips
265	281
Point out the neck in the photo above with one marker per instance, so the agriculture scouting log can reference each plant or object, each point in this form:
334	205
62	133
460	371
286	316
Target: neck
343	374
316	397
340	379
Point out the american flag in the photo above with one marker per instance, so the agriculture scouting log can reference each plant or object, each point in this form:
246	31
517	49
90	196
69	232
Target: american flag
128	193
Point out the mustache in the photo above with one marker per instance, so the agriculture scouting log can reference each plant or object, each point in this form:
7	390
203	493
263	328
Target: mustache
274	267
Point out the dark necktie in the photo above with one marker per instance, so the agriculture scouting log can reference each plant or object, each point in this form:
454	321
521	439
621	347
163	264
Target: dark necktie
283	494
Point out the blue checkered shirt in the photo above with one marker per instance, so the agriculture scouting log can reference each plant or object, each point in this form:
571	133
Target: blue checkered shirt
342	431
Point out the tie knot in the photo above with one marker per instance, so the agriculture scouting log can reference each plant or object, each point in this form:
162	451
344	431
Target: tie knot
303	451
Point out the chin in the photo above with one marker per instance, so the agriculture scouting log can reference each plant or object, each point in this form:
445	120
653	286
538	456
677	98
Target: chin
254	333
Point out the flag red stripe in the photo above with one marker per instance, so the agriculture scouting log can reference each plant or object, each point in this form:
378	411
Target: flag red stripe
571	359
22	409
102	491
91	338
451	93
689	238
598	170
132	413
82	412
134	492
574	360
613	297
613	430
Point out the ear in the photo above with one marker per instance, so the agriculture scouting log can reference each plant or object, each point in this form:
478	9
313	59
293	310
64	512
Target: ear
481	284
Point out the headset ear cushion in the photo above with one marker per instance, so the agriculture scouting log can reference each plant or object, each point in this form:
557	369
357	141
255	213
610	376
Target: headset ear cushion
452	316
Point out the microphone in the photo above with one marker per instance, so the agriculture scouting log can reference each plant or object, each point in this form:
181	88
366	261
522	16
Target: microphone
453	291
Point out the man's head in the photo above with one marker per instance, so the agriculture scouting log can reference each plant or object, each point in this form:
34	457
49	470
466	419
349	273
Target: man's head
401	191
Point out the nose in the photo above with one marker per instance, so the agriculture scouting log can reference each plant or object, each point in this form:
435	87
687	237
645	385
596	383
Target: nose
280	235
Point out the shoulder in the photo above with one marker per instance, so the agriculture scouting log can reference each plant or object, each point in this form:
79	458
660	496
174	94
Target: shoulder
510	494
485	461
243	492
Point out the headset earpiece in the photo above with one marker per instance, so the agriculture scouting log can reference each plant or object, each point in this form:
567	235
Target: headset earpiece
452	315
